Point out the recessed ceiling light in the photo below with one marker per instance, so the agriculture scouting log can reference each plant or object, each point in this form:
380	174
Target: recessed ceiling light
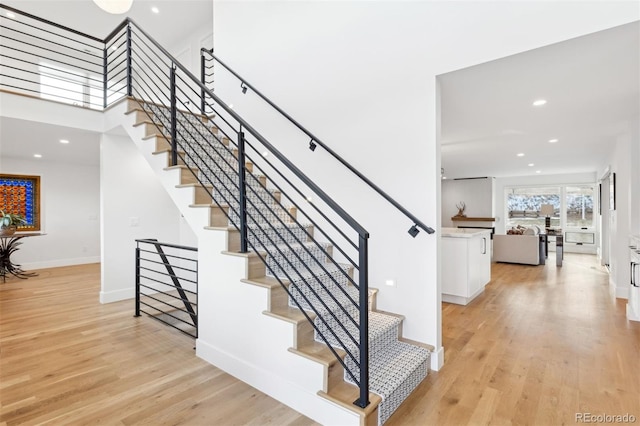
265	154
520	154
531	164
155	9
230	106
11	15
539	102
444	177
64	141
538	171
553	140
37	155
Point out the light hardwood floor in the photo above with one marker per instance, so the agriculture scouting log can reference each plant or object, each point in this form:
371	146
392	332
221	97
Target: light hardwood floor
540	345
65	359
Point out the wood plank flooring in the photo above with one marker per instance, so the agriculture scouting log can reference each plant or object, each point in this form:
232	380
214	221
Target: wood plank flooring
540	345
65	359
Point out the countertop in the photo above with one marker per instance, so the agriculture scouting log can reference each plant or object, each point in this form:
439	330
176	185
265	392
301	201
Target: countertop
464	232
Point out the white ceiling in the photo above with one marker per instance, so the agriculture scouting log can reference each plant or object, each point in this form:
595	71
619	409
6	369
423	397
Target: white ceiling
174	22
23	139
591	83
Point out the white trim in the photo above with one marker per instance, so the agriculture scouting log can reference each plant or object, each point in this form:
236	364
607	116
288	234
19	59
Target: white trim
632	316
117	295
437	359
622	292
60	262
310	404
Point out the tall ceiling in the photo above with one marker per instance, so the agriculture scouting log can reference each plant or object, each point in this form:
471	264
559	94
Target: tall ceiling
173	22
592	88
23	139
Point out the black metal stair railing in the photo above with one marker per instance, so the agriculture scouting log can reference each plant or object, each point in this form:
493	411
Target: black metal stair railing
207	63
167	284
308	242
327	281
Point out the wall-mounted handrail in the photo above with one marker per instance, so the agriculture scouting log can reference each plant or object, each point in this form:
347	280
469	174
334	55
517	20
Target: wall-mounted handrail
315	140
281	157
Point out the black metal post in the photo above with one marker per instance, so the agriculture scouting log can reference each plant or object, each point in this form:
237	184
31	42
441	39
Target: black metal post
129	68
137	281
174	133
243	192
363	281
104	76
202	79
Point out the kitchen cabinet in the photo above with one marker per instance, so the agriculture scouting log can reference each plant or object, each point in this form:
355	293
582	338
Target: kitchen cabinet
466	263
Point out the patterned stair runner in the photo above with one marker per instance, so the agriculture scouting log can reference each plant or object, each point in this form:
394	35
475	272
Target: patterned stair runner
395	368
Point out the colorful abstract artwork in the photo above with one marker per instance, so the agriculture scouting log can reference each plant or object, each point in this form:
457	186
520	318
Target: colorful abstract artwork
20	194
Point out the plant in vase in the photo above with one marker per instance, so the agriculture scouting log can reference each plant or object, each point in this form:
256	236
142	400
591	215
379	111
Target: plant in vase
9	223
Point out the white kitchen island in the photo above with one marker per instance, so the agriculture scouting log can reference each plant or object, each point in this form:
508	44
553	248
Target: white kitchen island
466	263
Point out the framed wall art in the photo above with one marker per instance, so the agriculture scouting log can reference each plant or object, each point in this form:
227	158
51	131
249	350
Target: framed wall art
20	194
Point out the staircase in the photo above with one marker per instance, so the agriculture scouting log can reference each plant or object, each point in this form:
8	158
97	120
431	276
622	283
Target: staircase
289	254
284	301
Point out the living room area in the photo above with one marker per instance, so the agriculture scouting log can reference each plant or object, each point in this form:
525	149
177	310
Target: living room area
539	148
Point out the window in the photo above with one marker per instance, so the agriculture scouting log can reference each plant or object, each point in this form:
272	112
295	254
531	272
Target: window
579	206
69	86
523	206
573	209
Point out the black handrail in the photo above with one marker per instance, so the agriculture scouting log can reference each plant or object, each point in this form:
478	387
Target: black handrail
294	169
316	141
62	27
259	230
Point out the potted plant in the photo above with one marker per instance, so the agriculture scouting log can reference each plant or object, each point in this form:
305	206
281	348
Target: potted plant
9	223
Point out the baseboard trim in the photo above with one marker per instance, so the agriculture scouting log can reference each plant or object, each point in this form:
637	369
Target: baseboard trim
622	292
437	359
116	295
60	262
310	404
631	315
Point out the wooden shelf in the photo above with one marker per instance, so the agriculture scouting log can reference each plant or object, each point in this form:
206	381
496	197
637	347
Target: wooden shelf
472	219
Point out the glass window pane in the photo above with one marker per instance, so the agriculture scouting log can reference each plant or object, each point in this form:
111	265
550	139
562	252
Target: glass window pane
579	205
523	206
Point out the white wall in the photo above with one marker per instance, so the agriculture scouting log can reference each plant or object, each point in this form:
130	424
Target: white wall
623	221
476	194
133	205
70	209
362	76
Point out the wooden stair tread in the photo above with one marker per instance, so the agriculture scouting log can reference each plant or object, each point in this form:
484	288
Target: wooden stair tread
318	352
267	282
166	151
210	205
179	166
344	394
247	254
137	107
194	185
146	138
